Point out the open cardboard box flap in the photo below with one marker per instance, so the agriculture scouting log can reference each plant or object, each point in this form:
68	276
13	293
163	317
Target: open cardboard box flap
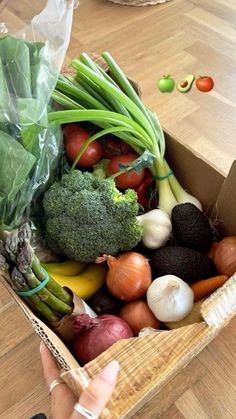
193	173
224	211
216	193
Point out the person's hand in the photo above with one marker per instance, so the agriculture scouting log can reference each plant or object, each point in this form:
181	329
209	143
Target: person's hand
94	397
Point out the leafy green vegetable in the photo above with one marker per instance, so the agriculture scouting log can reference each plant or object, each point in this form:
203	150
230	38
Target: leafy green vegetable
29	149
5	96
16	164
16	59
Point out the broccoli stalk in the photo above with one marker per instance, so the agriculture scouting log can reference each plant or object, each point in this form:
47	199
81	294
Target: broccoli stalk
86	217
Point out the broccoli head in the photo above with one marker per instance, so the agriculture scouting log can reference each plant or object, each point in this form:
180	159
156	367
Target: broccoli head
86	217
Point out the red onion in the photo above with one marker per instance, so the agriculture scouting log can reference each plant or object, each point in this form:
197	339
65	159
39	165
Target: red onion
96	334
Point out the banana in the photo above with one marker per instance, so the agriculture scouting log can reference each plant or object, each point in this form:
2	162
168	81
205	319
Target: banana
85	284
68	268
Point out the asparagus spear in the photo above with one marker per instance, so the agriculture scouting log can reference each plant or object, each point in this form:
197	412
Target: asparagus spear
29	274
4	268
49	292
20	251
24	233
44	295
3	251
19	283
11	244
26	257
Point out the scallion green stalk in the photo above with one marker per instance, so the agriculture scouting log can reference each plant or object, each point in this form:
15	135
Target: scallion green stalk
66	117
118	94
114	106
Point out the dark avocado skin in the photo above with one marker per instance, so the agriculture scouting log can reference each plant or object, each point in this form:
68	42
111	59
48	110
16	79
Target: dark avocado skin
191	227
187	264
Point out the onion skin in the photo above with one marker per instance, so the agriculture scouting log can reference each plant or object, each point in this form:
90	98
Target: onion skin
212	250
138	315
98	334
225	256
129	276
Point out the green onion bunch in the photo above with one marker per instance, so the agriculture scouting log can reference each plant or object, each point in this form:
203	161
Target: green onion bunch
112	104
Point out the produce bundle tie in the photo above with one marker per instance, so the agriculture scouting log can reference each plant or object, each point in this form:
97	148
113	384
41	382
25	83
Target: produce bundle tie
33	291
164	177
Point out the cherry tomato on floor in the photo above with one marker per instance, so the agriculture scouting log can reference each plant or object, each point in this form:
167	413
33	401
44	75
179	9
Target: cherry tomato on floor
114	147
205	83
128	179
73	144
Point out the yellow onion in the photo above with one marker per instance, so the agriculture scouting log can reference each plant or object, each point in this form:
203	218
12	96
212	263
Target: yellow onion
225	256
129	276
138	315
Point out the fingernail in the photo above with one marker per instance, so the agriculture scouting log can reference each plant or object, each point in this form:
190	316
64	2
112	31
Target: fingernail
41	346
110	371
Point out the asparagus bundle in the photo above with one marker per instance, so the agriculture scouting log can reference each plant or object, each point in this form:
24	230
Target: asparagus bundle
20	266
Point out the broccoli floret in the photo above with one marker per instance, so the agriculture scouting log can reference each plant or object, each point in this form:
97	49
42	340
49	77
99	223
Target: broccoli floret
86	217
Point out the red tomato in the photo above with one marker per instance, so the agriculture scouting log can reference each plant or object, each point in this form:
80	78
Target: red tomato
70	129
128	179
205	84
114	147
73	144
146	192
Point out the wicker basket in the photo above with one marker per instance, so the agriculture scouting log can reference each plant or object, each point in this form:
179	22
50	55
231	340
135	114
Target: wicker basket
139	2
148	363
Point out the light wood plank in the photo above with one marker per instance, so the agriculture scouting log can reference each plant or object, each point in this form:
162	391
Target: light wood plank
14	329
190	407
172	391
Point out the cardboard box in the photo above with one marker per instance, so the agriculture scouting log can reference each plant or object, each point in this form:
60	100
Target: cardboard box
148	363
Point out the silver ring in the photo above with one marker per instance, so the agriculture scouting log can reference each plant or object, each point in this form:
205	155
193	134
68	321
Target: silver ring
84	412
55	383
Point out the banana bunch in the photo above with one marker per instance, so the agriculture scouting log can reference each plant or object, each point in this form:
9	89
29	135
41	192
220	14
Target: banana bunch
83	281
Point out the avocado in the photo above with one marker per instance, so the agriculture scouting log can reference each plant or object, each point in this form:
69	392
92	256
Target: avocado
185	85
187	264
191	227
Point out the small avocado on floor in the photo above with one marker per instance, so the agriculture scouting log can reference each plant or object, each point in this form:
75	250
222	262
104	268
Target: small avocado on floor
185	85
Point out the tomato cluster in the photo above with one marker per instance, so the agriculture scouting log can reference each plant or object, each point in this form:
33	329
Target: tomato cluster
119	155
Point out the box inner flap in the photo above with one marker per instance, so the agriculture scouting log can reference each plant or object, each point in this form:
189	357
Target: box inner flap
194	174
224	211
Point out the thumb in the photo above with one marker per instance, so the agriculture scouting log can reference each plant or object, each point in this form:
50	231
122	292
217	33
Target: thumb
99	390
50	367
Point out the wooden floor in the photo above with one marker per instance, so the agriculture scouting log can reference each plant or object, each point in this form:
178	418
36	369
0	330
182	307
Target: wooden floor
178	38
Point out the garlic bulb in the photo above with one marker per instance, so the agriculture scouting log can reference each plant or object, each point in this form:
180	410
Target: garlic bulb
156	228
170	298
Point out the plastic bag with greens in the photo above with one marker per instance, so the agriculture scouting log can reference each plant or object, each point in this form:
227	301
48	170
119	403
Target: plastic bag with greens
29	66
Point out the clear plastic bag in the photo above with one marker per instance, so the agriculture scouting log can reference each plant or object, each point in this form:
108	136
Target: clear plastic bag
31	56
